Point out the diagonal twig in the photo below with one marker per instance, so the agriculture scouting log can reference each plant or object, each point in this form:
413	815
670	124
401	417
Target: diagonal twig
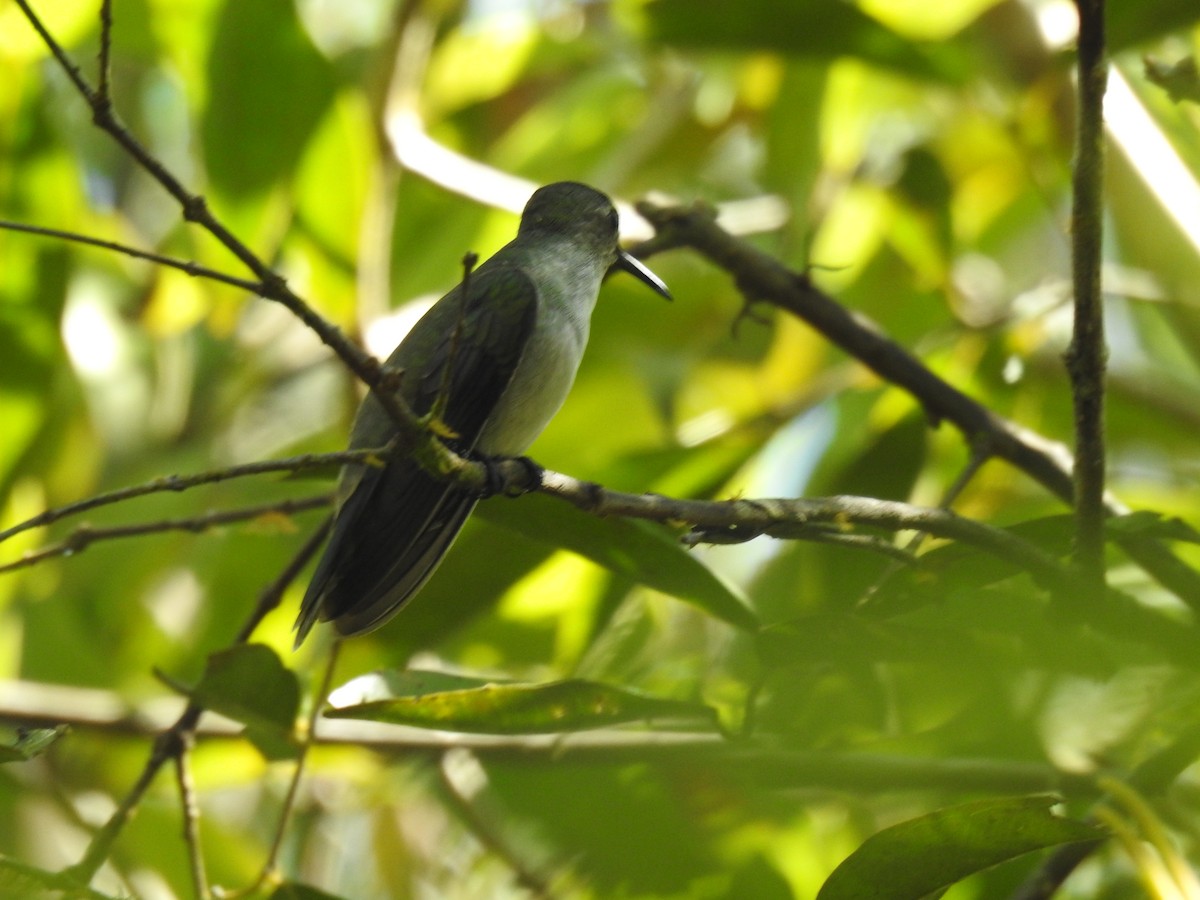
177	483
761	277
270	284
187	267
85	535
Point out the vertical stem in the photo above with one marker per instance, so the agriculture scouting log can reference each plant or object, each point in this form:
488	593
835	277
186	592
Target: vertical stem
1087	355
106	22
310	735
191	816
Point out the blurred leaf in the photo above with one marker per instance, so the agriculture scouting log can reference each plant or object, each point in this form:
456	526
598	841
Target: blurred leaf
1181	80
31	346
268	89
759	879
630	830
843	638
956	567
293	890
30	742
20	881
1130	22
915	858
249	684
887	468
642	551
815	29
455	78
563	706
1148	523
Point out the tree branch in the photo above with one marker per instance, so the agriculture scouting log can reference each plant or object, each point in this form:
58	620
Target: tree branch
85	535
760	277
269	285
189	268
1086	356
169	744
777	768
293	790
177	483
191	816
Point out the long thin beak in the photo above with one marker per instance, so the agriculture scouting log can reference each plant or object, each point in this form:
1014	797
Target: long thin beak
627	263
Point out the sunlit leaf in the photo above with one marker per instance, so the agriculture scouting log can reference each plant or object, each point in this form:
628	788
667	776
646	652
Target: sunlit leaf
822	30
642	551
929	853
29	743
563	706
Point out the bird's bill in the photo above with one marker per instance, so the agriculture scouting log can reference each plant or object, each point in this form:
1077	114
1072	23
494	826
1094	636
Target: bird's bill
634	267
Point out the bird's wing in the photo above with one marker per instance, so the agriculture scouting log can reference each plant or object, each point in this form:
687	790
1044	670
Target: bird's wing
397	522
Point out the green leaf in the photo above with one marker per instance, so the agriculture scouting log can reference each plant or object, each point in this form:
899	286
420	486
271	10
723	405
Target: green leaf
20	880
429	700
295	891
269	87
932	852
249	684
847	638
31	742
642	551
1180	80
1148	523
813	29
887	468
1135	21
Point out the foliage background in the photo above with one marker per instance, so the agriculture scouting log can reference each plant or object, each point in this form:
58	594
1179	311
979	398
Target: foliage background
921	158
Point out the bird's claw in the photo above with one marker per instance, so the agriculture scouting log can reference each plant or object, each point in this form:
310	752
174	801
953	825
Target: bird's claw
496	482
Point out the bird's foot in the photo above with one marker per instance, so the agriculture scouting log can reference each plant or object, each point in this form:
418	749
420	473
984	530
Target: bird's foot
496	481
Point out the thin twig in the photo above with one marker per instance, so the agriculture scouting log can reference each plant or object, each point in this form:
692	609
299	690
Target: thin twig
270	284
271	596
268	870
106	23
191	816
84	536
166	747
177	483
761	277
1086	355
21	873
168	743
189	268
975	462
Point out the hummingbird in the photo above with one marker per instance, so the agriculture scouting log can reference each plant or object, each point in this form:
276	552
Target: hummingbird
493	361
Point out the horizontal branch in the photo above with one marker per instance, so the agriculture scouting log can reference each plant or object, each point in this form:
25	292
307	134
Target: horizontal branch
37	704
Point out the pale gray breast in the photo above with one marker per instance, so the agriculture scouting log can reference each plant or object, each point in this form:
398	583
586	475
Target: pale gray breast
540	384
